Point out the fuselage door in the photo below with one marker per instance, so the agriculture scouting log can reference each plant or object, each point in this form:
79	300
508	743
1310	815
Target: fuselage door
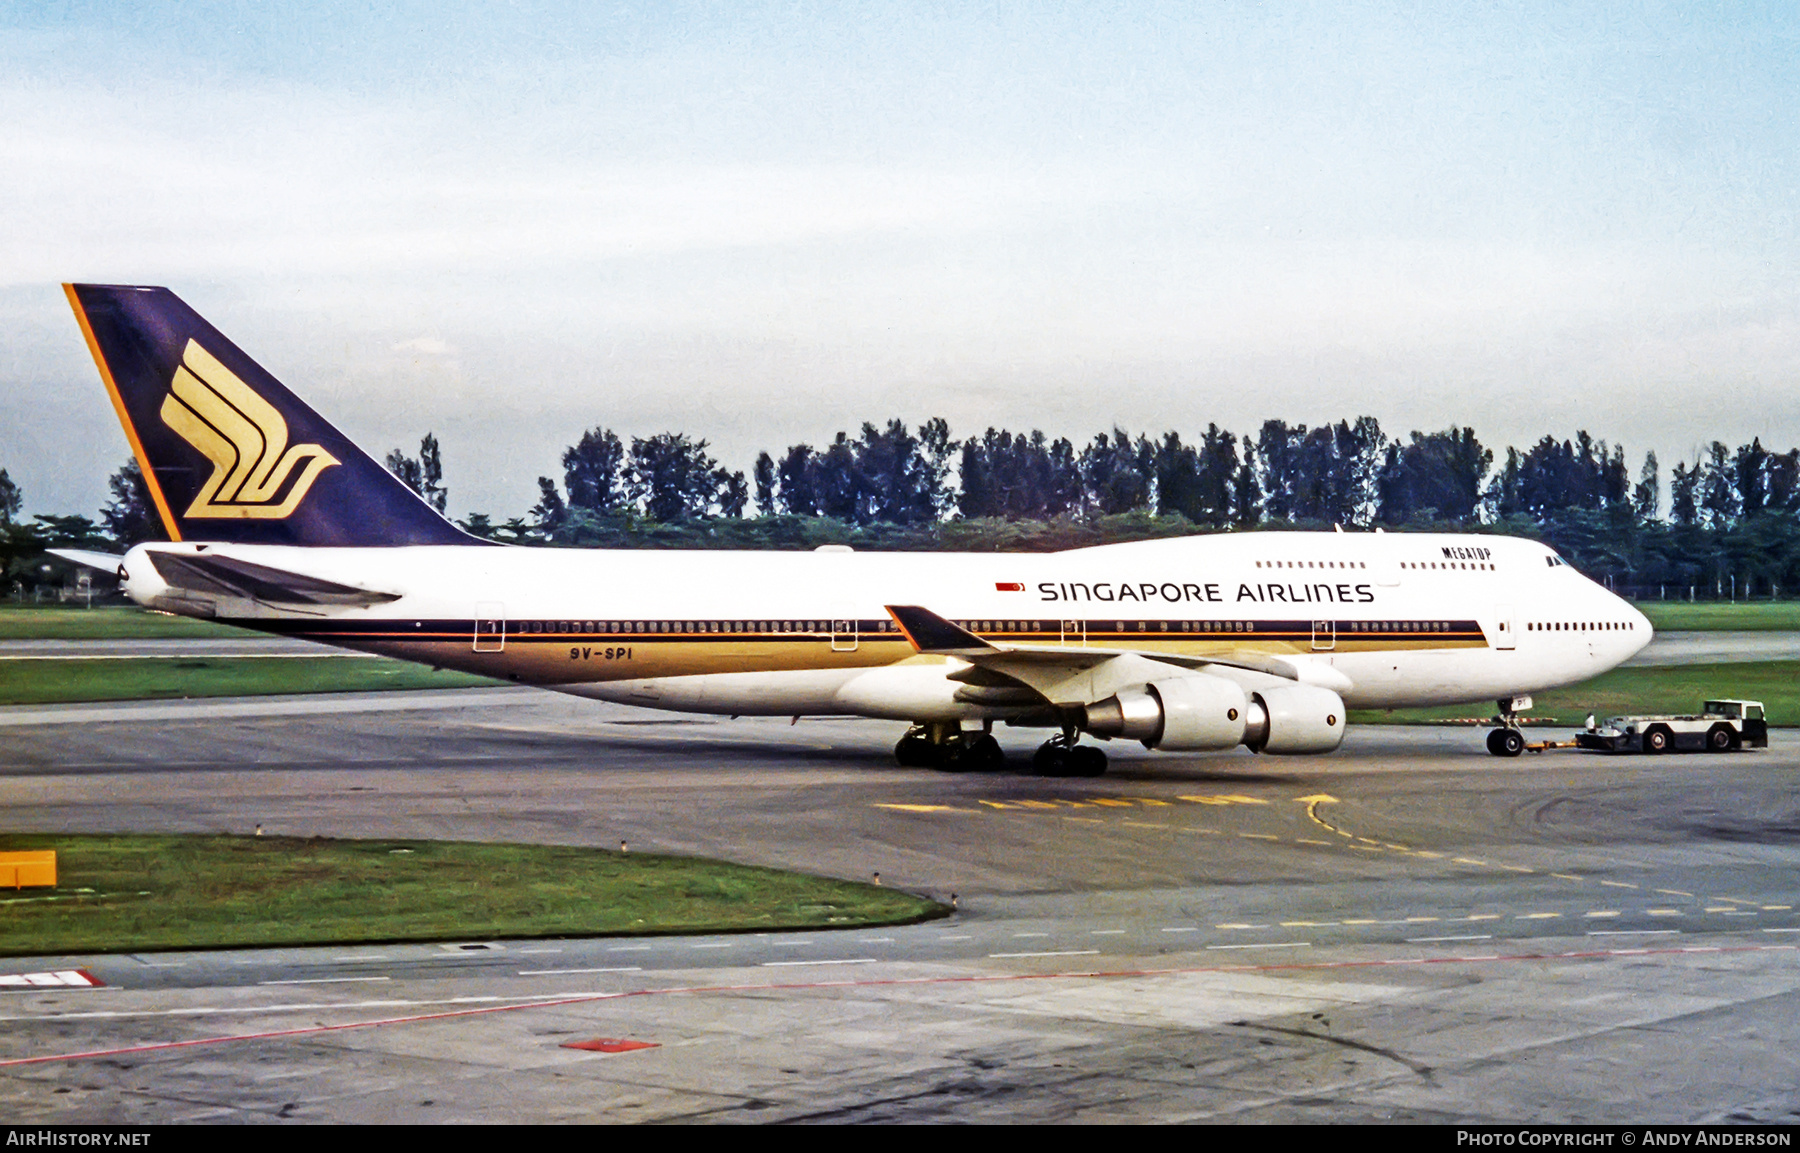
843	629
1324	636
1504	627
1074	634
490	627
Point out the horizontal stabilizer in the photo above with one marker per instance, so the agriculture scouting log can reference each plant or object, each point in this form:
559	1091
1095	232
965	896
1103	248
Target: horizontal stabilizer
104	561
227	576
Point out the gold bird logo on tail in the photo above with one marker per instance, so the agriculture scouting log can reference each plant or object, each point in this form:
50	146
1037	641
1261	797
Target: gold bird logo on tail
245	438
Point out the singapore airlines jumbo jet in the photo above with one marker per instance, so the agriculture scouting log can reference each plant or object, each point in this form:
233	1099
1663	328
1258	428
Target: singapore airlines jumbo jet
278	523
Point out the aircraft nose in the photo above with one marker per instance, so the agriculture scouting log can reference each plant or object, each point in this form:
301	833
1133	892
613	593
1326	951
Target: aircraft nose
1641	632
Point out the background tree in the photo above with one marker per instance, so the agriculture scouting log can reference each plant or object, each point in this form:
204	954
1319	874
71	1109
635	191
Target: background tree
1438	476
11	499
423	474
1117	474
594	472
130	517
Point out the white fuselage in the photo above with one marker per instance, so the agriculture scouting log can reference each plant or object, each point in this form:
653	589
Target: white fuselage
1387	620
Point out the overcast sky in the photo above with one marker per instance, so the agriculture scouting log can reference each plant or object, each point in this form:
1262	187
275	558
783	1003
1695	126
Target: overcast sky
761	224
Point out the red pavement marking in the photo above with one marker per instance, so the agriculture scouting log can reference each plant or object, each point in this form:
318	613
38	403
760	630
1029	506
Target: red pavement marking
610	1045
974	979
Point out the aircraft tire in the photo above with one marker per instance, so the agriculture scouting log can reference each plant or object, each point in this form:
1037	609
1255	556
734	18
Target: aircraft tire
914	753
1493	742
984	754
1511	742
1050	761
1086	761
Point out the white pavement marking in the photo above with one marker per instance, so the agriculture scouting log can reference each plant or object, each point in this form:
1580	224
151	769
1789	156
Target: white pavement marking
1469	937
836	961
1634	932
1268	945
1058	953
560	972
629	949
323	980
1108	932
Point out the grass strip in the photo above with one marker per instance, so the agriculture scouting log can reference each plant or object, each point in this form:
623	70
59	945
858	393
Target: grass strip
1667	689
42	682
103	623
124	893
1764	616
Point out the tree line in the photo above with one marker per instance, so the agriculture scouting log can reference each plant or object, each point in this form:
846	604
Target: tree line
1732	526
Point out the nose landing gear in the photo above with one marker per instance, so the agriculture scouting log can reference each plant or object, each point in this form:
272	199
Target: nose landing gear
1507	740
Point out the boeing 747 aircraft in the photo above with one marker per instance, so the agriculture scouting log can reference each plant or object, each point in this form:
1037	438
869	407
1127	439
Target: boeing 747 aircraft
276	522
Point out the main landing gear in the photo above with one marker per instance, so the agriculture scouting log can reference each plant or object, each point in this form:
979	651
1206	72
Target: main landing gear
947	747
1507	740
1062	757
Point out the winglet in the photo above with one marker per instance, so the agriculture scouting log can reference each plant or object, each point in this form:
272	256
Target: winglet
930	633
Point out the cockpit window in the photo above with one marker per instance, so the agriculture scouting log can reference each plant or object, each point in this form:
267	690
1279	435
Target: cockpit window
1553	560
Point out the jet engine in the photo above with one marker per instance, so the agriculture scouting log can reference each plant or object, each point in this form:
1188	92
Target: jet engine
1295	719
1210	714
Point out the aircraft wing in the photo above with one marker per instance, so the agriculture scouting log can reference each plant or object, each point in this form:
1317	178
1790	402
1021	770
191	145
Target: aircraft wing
1065	675
217	575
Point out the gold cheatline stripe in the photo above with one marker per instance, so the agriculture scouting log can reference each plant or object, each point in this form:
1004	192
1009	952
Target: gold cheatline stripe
112	388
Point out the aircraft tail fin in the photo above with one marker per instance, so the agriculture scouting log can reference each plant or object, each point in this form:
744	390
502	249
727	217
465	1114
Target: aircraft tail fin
228	453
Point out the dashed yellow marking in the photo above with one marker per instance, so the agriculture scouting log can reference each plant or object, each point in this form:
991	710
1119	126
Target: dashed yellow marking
1110	802
1567	877
1085	820
1673	892
1536	916
1720	909
1618	884
919	808
1234	925
1517	869
1260	836
1223	799
1423	853
1074	804
1149	801
1362	921
1466	861
996	805
1303	924
1419	920
1776	908
1144	824
1367	848
1731	900
1035	804
1601	913
1663	912
1304	841
1482	917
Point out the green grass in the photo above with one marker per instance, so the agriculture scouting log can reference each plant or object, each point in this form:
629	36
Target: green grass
41	682
123	893
1678	616
1672	689
107	622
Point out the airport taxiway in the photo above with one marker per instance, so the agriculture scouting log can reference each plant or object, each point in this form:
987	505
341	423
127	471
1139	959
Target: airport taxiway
1406	929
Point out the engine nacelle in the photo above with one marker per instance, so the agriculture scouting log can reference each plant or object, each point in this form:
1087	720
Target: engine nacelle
1181	714
1295	719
